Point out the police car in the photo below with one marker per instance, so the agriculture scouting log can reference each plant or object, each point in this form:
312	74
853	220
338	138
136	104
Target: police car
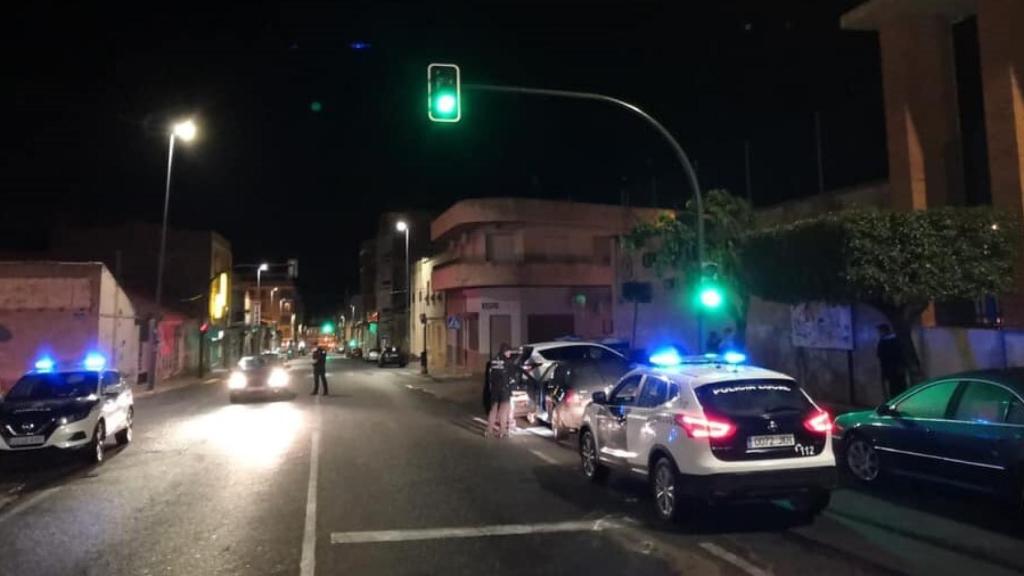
710	428
67	408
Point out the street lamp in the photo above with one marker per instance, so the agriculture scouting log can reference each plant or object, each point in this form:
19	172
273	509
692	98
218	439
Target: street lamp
259	292
185	130
272	290
401	226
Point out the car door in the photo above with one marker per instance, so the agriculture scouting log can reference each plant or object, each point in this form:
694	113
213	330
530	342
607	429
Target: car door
641	422
612	418
905	438
114	410
978	443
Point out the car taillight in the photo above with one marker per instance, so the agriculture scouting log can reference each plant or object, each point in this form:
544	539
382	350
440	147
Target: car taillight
820	423
698	427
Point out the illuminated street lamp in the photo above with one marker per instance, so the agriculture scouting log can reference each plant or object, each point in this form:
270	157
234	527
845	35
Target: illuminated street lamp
185	130
259	293
401	226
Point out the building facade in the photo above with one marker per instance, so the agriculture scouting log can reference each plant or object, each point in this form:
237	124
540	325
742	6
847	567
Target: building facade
516	270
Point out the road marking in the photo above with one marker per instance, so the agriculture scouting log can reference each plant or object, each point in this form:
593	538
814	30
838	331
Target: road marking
383	536
481	420
211	380
20	506
544	457
723	554
307	565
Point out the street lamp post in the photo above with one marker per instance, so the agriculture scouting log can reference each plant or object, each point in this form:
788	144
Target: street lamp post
259	302
401	226
186	131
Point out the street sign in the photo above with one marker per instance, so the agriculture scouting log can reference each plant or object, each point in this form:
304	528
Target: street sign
454	323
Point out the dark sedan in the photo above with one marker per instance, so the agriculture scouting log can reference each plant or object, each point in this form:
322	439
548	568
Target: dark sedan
392	355
965	430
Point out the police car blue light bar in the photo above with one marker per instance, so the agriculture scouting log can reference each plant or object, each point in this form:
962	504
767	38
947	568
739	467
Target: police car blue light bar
45	364
734	357
94	361
666	357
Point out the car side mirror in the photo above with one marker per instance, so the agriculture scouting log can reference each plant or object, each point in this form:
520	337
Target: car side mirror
599	398
887	410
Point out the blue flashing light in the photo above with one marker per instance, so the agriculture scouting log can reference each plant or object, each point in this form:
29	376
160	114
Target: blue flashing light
359	45
45	364
666	357
733	357
94	361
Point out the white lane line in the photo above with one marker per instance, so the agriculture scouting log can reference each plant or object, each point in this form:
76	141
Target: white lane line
481	420
742	564
20	506
382	536
307	565
544	457
410	387
211	380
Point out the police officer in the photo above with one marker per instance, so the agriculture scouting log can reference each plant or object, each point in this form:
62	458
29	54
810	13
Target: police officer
319	370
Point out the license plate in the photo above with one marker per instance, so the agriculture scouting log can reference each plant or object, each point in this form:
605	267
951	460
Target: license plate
26	440
770	441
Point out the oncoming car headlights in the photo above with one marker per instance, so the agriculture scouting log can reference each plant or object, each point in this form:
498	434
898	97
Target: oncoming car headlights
237	381
278	378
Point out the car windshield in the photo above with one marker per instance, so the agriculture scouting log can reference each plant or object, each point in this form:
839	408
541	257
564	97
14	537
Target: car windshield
741	398
52	386
253	362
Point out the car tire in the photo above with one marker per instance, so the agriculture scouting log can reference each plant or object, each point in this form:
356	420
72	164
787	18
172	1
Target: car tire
96	450
809	505
592	467
669	503
860	460
124	437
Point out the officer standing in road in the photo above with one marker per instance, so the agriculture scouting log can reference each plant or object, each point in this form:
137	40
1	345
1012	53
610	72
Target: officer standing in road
319	370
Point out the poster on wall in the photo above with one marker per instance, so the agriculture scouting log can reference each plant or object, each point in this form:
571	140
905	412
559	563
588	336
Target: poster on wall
820	325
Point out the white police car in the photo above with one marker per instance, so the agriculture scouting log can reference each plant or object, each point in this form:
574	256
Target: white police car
710	428
70	408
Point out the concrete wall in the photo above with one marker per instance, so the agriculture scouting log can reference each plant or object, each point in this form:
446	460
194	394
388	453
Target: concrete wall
854	377
64	310
118	330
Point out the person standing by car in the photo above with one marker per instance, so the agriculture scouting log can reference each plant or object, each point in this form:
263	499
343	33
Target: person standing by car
319	371
890	358
499	394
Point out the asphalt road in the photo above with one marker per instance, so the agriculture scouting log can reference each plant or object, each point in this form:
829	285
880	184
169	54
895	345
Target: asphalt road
404	483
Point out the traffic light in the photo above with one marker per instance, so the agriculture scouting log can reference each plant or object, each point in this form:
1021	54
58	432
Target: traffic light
327	328
443	93
710	294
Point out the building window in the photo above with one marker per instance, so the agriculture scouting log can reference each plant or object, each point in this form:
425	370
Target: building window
501	248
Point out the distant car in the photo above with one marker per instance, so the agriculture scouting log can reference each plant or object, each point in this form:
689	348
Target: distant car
392	356
963	430
262	375
535	397
373	355
702	429
67	409
355	353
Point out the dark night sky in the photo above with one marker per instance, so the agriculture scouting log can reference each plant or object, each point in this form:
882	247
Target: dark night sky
95	88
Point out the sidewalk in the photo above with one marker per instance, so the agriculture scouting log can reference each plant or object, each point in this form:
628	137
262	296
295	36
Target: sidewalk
214	376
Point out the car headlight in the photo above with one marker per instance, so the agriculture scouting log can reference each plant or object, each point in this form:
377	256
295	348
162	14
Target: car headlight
278	378
237	381
73	417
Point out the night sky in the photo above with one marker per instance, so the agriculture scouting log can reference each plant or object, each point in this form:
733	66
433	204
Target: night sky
94	89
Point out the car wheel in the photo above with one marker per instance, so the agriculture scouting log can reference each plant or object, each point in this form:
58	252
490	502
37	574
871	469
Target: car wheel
96	451
665	484
861	460
592	467
811	504
125	436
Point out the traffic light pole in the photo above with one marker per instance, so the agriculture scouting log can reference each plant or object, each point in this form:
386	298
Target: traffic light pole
684	160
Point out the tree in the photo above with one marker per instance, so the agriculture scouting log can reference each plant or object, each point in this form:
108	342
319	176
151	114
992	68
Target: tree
673	241
897	262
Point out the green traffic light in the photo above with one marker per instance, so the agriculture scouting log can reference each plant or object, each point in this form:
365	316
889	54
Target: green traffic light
327	328
446	104
711	297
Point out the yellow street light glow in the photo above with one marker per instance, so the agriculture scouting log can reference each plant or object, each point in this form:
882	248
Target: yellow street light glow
185	130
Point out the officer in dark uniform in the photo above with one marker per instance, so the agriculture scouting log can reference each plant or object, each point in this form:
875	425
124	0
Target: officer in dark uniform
319	370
